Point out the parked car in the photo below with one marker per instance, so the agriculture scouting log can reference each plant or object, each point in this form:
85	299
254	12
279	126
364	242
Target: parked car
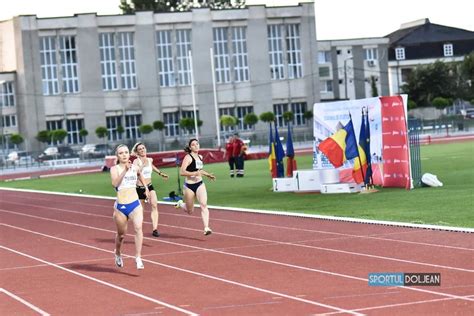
19	158
96	150
60	152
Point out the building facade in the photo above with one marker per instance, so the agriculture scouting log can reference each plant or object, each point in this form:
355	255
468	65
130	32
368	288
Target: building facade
421	43
122	71
353	68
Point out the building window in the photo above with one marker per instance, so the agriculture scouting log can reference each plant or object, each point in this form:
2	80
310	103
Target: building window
183	46
448	50
68	62
221	55
324	57
113	122
8	121
127	60
52	126
324	71
108	64
165	59
275	45
172	74
241	112
278	110
7	94
49	67
371	54
132	123
293	51
109	44
298	109
293	47
239	54
73	128
400	53
227	111
68	53
171	121
326	86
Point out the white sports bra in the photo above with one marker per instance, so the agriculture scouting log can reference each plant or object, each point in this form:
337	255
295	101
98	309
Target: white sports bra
130	178
146	170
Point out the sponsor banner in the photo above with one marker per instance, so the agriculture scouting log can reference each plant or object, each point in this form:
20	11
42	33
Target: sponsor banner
395	150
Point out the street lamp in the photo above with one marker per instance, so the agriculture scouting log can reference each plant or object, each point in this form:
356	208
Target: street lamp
345	76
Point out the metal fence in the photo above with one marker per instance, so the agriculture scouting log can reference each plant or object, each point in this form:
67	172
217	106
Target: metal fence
414	132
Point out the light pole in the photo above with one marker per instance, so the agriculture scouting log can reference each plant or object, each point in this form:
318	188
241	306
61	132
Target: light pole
345	77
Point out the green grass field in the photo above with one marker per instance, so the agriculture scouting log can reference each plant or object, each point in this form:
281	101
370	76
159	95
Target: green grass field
450	205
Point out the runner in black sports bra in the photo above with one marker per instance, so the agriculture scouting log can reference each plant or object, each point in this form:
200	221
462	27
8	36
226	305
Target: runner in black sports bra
191	168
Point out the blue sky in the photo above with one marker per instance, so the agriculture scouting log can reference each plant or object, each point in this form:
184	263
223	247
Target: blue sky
335	19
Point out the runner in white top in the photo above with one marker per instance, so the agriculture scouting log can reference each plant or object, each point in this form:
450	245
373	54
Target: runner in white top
146	167
124	177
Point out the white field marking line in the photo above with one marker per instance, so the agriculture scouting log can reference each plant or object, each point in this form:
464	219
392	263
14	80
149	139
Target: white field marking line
237	255
45	265
19	299
360	295
271	242
147	298
276	227
322	217
208	276
239	305
401	304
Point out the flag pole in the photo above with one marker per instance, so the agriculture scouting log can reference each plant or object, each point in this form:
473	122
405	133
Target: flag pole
369	164
190	65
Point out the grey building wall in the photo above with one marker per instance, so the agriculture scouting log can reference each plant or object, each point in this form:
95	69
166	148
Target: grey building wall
150	99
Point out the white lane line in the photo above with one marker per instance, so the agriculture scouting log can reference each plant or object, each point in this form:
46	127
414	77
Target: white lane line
274	242
375	237
401	304
166	266
19	299
242	256
150	299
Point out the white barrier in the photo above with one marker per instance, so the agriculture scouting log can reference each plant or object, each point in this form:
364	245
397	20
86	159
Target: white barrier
69	162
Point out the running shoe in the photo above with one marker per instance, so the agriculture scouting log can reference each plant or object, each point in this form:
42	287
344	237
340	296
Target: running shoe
139	262
207	231
179	204
156	233
119	261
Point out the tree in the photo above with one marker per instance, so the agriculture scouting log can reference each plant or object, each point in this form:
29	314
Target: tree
102	132
83	133
16	139
373	86
43	136
158	125
145	129
58	135
187	123
288	116
228	121
440	102
132	6
120	130
251	119
426	82
267	117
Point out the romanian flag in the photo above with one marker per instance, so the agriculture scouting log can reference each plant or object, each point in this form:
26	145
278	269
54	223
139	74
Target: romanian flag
341	146
271	155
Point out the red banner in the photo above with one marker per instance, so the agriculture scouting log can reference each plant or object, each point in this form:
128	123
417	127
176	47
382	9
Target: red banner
395	151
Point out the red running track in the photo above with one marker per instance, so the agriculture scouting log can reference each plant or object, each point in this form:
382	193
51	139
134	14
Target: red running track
56	258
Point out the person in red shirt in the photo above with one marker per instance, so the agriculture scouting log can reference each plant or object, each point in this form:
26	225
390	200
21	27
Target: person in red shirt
238	154
229	155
